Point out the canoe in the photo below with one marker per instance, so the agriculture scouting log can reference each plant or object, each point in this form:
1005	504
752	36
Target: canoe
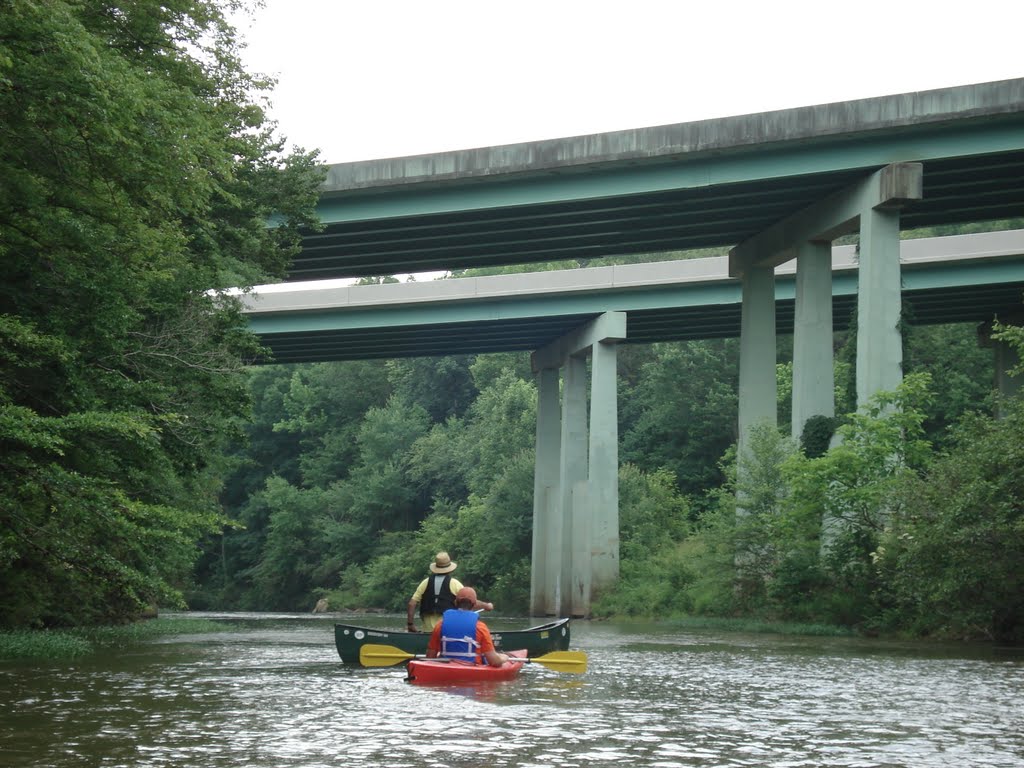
450	671
536	641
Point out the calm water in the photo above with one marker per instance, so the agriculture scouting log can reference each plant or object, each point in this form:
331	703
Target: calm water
272	692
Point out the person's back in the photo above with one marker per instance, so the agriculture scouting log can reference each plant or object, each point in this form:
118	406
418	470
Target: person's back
436	594
462	635
458	635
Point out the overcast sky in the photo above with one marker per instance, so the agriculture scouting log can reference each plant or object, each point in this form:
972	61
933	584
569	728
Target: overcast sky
366	79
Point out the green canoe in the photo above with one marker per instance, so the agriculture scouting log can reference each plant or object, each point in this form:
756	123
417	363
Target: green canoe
553	636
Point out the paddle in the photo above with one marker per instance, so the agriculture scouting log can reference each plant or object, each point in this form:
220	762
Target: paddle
371	655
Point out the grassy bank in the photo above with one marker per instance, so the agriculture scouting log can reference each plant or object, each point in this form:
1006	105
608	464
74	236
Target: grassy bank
74	643
759	626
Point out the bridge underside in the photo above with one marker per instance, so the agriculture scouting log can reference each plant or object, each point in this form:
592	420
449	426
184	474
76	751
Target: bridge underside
655	222
776	188
968	278
518	330
707	184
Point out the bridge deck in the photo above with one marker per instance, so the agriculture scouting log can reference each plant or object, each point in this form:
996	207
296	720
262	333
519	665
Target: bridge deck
705	184
950	279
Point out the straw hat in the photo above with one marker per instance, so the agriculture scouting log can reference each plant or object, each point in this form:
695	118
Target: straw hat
442	563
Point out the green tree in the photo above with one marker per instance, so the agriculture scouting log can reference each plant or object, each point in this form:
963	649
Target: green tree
849	494
377	496
950	354
442	385
654	568
138	173
501	424
479	474
956	551
324	410
293	550
259	453
682	412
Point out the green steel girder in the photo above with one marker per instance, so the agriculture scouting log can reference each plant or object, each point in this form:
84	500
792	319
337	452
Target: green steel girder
996	135
973	171
933	293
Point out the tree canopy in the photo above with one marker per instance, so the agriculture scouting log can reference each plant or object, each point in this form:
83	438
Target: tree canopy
138	175
388	472
142	460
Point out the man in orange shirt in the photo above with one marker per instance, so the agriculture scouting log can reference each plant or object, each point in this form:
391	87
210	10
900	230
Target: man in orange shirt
462	635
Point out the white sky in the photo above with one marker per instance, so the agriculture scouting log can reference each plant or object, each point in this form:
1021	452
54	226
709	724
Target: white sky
366	79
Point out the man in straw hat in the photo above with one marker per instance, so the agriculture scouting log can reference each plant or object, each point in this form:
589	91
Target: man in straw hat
436	594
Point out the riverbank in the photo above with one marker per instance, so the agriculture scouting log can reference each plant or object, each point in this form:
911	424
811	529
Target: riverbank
78	642
758	626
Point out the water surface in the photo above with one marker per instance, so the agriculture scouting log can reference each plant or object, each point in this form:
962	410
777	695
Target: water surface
272	692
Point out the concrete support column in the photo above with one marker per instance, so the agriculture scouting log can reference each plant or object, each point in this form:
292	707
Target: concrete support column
572	470
1007	385
582	575
1006	359
758	391
604	466
547	525
581	546
879	338
813	375
874	202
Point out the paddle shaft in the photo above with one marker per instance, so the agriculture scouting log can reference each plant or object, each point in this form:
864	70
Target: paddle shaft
372	655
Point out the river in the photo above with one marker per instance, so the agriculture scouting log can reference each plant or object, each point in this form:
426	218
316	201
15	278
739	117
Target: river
271	691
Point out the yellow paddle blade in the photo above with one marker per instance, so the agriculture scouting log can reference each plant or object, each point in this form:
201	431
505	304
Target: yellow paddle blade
562	661
371	655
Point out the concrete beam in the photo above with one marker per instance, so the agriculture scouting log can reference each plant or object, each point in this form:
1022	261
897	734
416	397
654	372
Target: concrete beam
609	327
836	215
558	157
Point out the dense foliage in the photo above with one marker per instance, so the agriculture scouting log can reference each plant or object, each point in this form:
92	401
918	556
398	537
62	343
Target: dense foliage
138	174
378	465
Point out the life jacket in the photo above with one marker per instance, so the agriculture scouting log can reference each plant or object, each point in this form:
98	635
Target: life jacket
458	635
437	602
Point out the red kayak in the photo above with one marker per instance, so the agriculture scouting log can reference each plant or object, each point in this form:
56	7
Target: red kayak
441	671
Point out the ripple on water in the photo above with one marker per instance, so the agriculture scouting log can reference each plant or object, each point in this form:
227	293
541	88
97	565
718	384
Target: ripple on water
276	695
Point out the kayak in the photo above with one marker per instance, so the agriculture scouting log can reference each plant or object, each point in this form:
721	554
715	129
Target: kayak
536	641
442	671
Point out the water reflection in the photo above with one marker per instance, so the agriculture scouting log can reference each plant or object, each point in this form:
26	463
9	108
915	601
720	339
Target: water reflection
272	693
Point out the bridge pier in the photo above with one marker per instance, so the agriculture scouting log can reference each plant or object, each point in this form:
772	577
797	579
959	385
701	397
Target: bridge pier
813	371
758	390
873	205
1006	359
879	305
572	476
576	499
604	457
547	528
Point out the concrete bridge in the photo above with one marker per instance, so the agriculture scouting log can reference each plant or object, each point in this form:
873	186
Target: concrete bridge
560	317
775	188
